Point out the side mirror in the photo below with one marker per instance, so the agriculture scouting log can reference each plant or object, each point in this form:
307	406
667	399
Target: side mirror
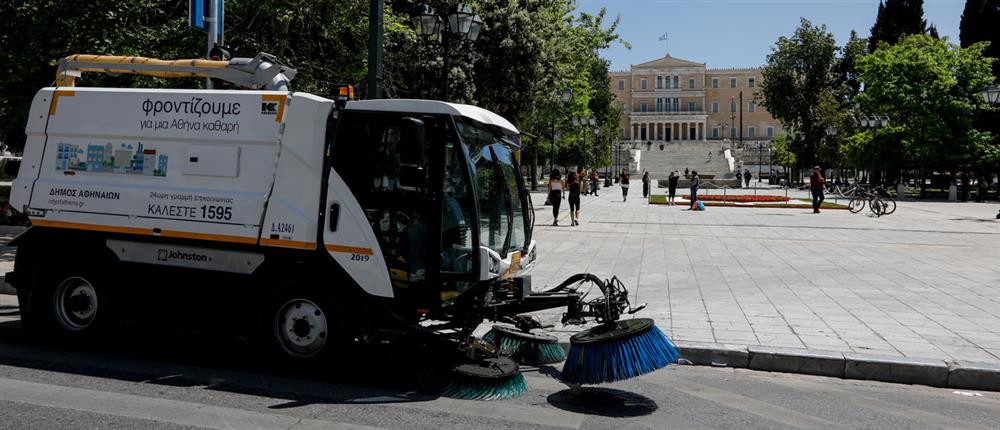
414	133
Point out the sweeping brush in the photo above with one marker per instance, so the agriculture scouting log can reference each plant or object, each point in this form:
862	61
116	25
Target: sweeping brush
617	351
488	379
532	349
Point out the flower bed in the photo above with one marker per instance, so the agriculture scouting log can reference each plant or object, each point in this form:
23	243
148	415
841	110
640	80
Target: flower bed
738	198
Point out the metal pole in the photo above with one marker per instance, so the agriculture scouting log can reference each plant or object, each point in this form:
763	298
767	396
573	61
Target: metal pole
446	41
552	149
375	23
741	119
760	160
213	35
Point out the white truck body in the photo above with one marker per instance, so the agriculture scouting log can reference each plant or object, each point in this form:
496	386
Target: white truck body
241	167
235	167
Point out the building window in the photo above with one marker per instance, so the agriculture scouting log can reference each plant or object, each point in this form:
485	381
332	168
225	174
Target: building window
751	132
770	132
732	82
642	107
732	105
659	82
690	83
621	84
676	79
752	82
677	104
659	105
715	132
690	106
715	82
643	84
715	106
752	106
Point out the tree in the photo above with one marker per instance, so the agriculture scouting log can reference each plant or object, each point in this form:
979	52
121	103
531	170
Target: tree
930	89
806	87
979	24
527	49
895	19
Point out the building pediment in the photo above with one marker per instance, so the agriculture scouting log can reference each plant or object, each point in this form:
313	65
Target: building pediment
667	62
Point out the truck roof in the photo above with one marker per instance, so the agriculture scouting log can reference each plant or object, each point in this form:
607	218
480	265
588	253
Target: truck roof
433	107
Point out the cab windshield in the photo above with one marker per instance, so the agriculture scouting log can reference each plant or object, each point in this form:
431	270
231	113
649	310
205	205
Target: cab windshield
498	190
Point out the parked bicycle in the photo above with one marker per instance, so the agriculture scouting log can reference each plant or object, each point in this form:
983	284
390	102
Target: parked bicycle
877	199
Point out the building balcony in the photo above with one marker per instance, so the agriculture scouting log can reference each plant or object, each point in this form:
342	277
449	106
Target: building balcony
669	92
676	115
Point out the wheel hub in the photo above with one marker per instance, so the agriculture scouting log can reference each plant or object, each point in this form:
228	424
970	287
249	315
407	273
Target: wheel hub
75	304
301	328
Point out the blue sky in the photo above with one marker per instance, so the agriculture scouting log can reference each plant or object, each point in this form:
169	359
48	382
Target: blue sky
740	33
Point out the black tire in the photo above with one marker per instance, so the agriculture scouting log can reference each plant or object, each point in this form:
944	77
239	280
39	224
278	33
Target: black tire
301	325
890	206
877	206
69	303
856	205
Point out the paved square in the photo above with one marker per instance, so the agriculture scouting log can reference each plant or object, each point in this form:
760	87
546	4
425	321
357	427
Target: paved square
923	282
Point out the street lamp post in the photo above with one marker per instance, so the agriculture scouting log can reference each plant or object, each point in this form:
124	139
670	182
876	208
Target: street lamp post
584	121
461	23
873	122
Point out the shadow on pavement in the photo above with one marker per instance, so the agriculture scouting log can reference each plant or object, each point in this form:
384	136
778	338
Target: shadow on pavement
606	402
356	375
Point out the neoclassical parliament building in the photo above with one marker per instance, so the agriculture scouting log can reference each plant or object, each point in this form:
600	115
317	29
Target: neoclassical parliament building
671	99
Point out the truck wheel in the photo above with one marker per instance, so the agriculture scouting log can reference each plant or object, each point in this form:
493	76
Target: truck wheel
71	303
75	304
304	325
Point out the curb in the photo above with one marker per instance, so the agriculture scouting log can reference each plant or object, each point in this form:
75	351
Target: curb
902	370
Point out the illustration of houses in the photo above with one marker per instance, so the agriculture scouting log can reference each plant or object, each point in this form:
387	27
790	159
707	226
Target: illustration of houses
95	158
107	159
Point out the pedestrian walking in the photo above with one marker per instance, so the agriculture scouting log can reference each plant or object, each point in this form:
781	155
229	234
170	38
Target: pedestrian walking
686	171
573	185
623	181
816	184
747	176
672	186
645	184
556	196
739	177
695	184
594	182
584	181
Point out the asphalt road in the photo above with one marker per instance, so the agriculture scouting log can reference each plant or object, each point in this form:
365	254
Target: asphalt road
146	379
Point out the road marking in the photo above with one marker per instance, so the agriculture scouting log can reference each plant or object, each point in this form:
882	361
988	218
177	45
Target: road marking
745	404
878	405
153	409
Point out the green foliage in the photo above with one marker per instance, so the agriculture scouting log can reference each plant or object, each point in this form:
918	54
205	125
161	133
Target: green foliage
930	89
807	86
896	19
527	50
979	24
781	153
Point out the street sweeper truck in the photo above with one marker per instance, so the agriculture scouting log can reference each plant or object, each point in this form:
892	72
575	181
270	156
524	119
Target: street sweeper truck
299	221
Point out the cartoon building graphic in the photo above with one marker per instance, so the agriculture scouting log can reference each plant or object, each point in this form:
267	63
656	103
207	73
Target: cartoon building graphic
162	168
66	156
107	159
148	161
95	158
136	166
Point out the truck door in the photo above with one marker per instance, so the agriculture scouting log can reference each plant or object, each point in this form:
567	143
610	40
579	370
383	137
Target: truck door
385	174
